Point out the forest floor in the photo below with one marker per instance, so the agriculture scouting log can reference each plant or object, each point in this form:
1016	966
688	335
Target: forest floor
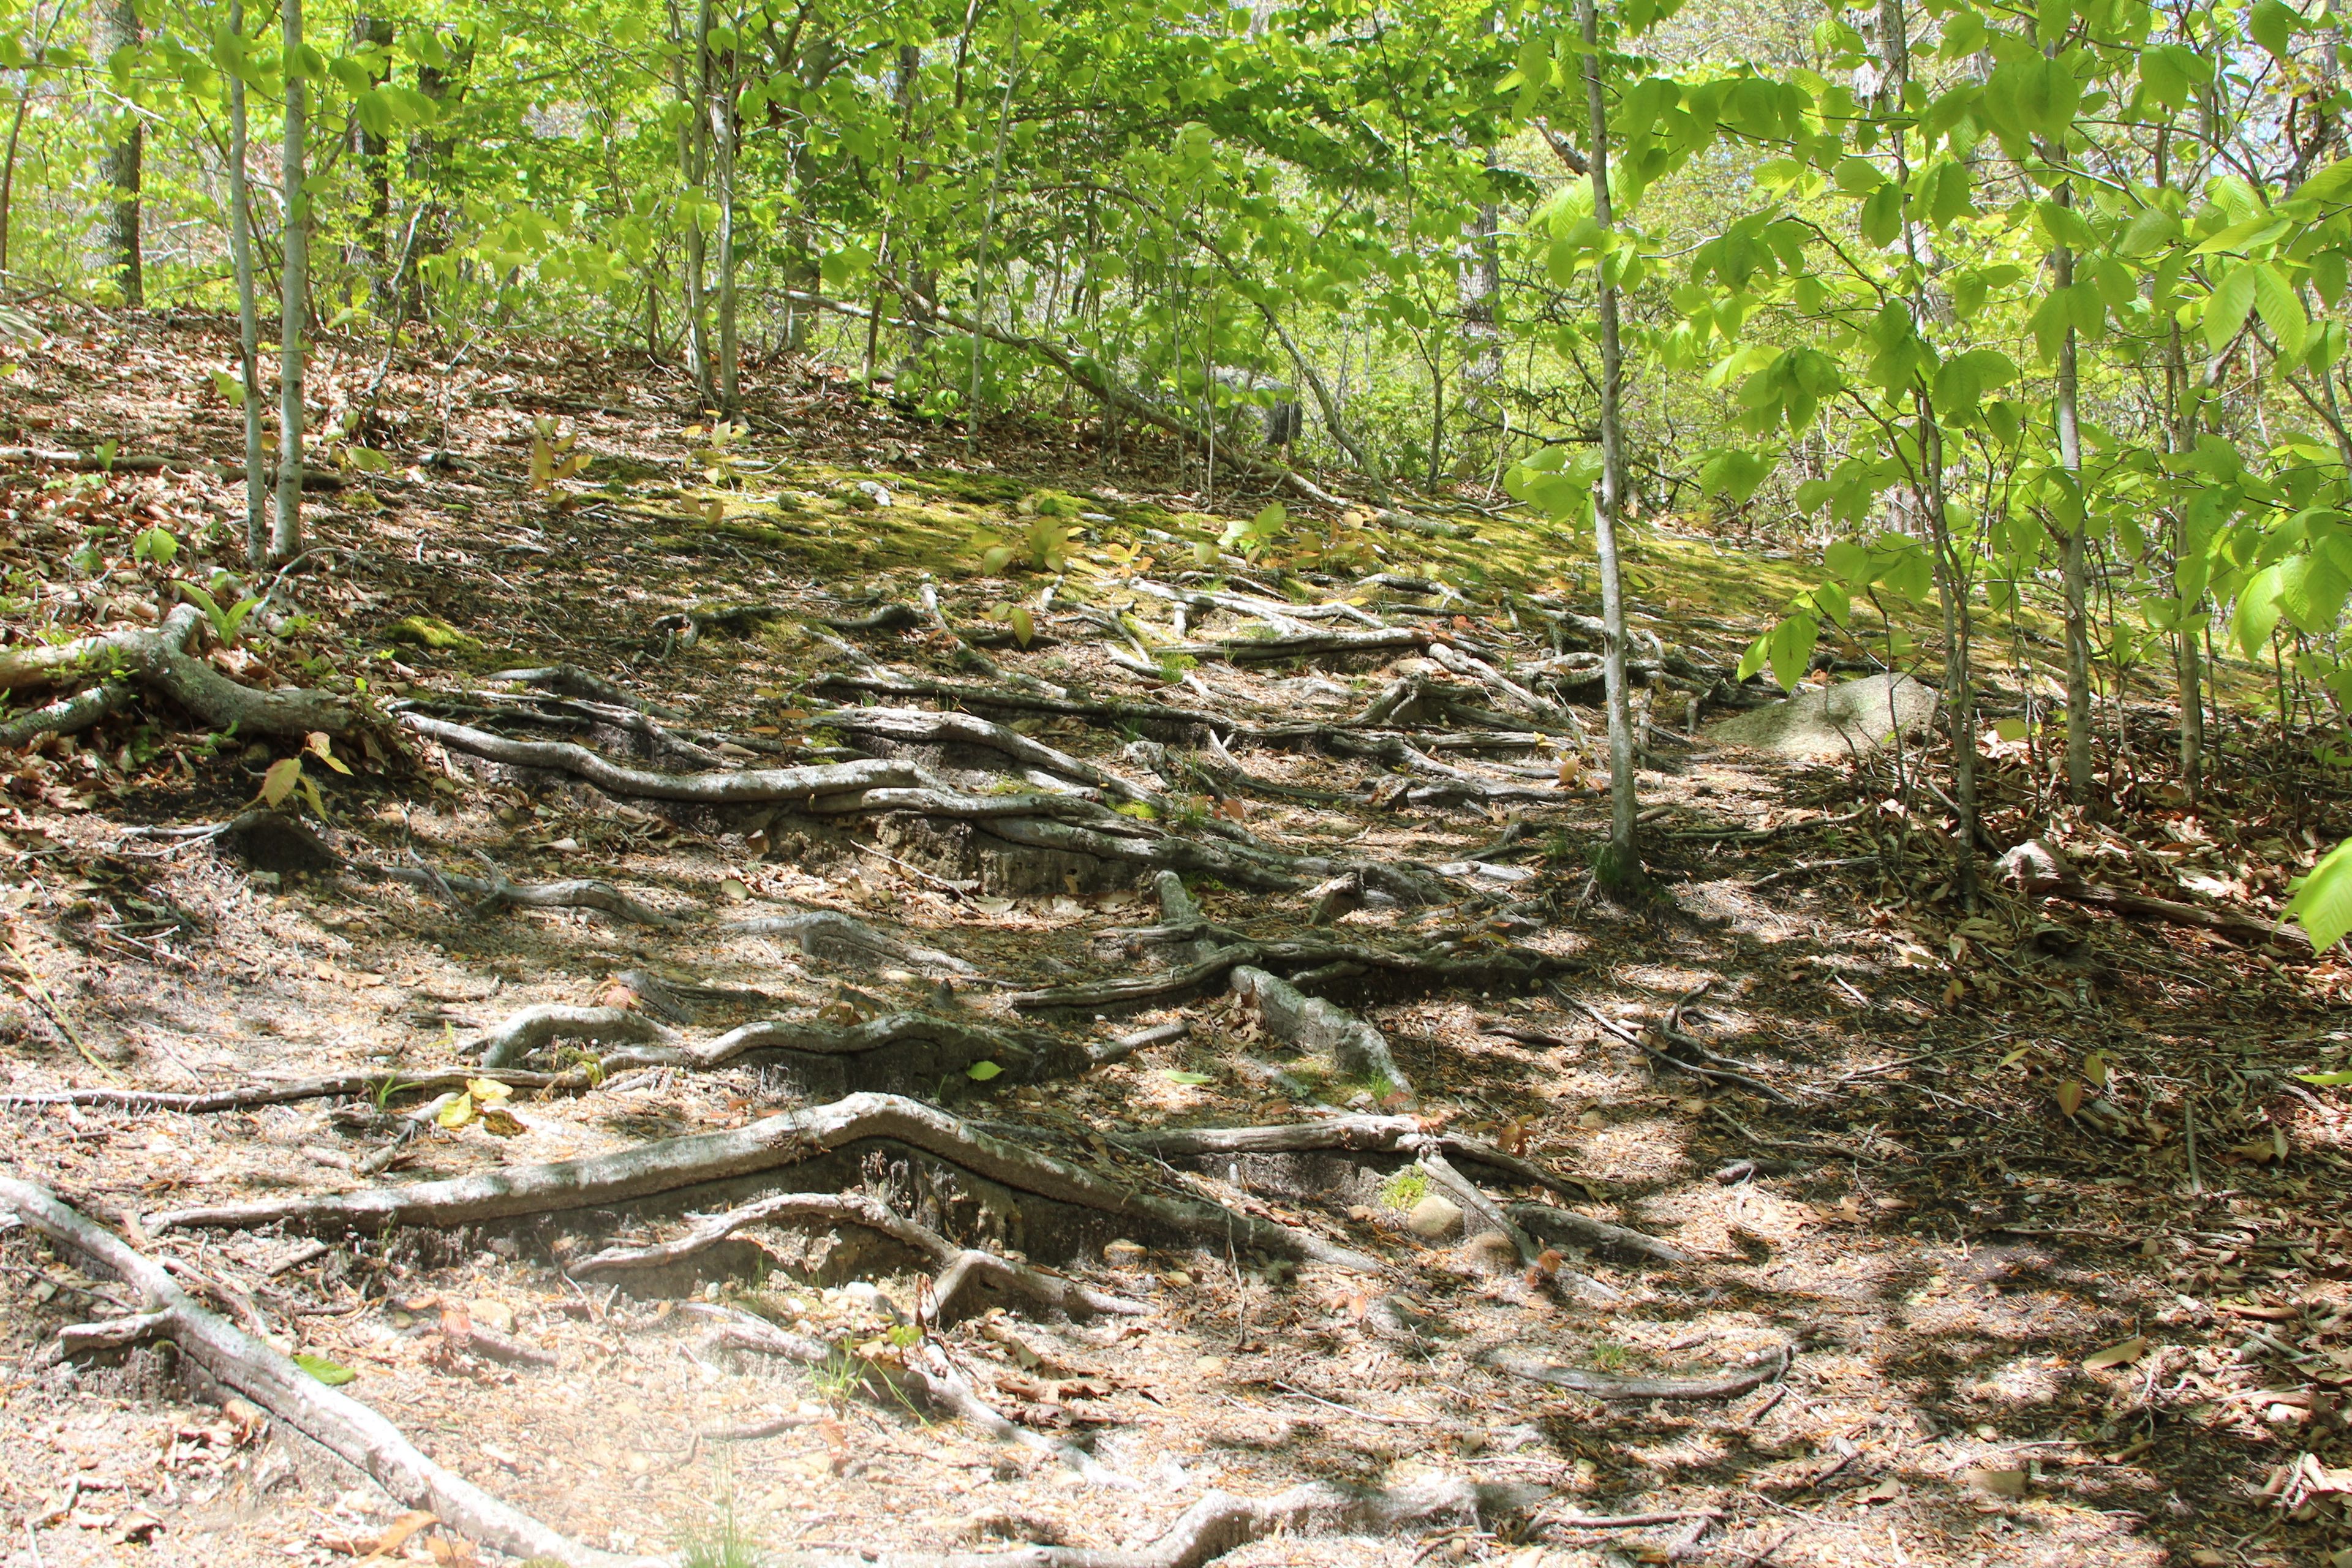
1943	1210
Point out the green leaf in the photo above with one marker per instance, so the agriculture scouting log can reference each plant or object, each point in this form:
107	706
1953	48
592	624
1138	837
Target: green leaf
2282	312
1190	1078
2273	26
981	1072
2322	904
322	1369
2325	1079
2227	307
1735	473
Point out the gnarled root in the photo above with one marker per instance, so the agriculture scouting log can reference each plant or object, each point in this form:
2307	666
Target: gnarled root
158	657
1221	1523
342	1426
678	1166
961	1268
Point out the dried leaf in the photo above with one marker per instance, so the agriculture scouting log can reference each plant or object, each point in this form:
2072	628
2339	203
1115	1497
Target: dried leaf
500	1122
279	781
2123	1355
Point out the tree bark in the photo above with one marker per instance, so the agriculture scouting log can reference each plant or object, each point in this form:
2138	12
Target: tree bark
114	28
286	533
727	132
248	314
1622	806
376	176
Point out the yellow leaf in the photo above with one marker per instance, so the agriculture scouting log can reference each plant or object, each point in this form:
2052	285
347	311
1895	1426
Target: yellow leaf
2070	1097
458	1112
2094	1068
486	1091
279	781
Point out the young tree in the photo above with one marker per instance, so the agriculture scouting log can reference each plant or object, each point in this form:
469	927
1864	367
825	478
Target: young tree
234	63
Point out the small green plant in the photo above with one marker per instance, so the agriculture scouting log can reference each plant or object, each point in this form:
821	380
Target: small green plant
906	1336
1017	616
387	1085
1607	1355
1050	503
159	546
717	456
1043	546
229	624
841	1376
1404	1189
286	775
1253	538
723	1545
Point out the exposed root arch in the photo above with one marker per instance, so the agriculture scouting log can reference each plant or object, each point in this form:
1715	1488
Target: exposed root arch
674	1167
158	658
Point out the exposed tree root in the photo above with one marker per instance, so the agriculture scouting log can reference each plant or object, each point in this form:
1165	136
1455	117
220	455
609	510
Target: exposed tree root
749	785
962	1269
1578	1230
580	893
534	1027
675	1166
1357	1050
1340	1133
69	715
828	933
158	658
570	680
342	1426
1221	1523
1510	967
1607	1386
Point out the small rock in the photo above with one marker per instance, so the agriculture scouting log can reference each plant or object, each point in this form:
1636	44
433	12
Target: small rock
1363	1214
1123	1254
1434	1219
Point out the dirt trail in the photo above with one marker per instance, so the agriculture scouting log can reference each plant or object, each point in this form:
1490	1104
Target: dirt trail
1792	1214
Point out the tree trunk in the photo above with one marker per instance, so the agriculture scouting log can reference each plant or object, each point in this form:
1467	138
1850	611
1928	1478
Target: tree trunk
2078	615
374	152
115	27
286	536
987	233
694	91
1623	862
249	313
726	131
2190	680
428	157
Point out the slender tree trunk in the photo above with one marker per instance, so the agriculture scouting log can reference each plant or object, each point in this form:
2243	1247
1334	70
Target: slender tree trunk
1624	864
725	130
286	536
428	156
8	169
249	313
2078	614
2190	678
115	27
693	83
987	234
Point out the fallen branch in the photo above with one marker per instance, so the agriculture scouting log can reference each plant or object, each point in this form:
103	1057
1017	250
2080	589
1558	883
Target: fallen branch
1609	1386
534	1027
828	933
774	1143
1357	1049
1599	1235
579	893
570	680
1505	967
1368	1134
342	1426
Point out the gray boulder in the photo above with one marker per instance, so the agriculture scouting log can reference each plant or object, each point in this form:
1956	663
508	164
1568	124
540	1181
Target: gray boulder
1851	718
